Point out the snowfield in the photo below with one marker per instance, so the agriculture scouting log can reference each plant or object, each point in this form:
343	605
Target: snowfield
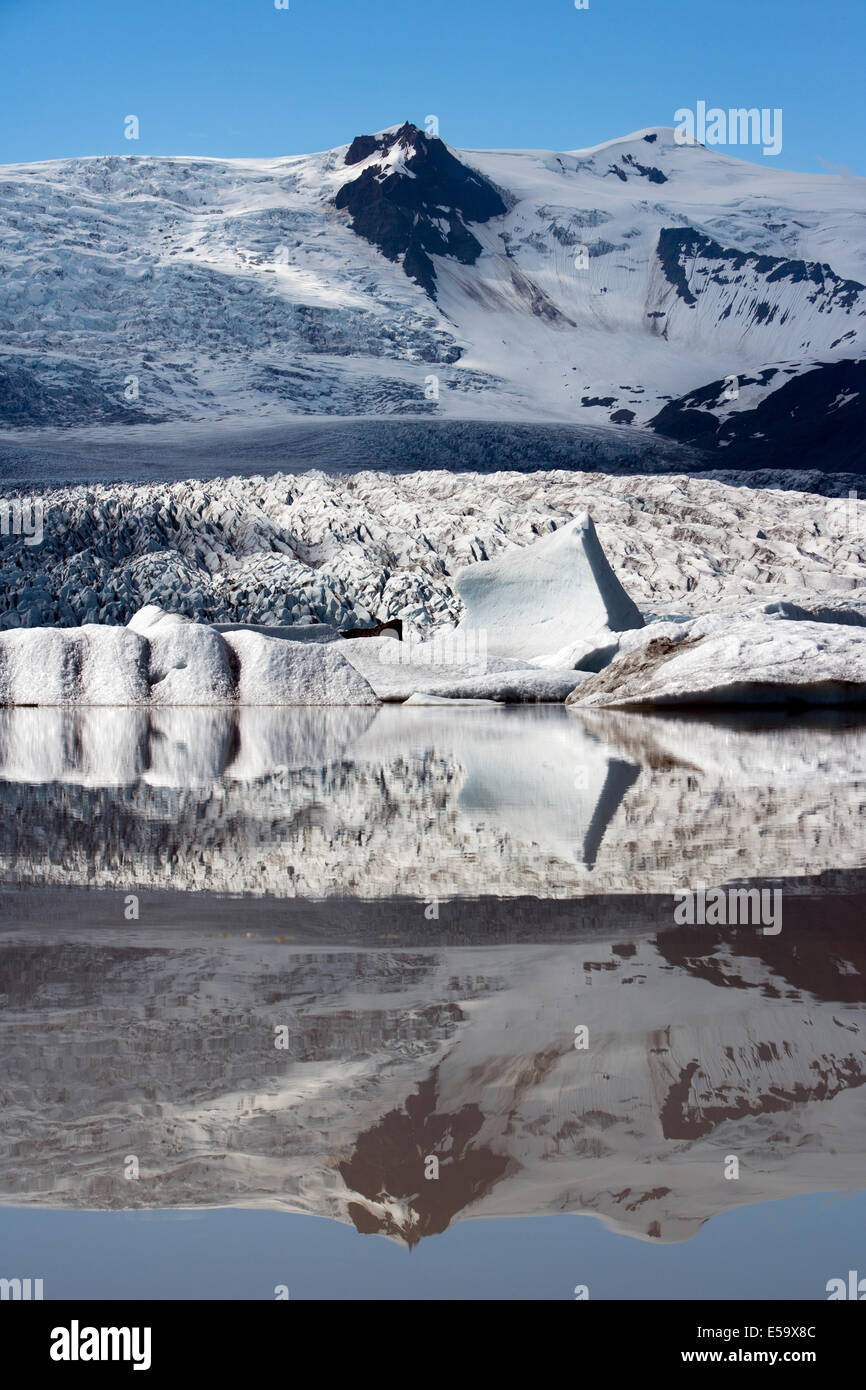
638	282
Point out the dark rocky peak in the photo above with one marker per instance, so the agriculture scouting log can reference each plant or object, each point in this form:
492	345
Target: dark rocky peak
646	171
820	414
361	148
386	1168
407	135
419	206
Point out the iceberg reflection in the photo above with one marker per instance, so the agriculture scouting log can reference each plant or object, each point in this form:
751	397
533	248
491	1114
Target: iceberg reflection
423	802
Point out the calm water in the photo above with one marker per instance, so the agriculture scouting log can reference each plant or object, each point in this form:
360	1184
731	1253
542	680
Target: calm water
406	969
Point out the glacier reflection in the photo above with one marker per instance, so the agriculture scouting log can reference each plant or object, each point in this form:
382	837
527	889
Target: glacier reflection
307	1038
311	803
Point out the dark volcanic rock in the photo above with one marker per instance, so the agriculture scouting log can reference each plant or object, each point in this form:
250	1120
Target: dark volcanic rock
811	420
681	246
649	171
361	148
424	212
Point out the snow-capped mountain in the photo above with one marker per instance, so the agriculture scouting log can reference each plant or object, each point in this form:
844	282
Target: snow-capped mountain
638	283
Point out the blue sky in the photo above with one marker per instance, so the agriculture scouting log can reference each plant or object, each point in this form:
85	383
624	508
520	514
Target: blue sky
239	77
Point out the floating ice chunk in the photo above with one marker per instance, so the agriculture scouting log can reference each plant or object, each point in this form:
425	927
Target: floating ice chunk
194	664
423	698
88	665
536	600
162	659
275	672
749	661
190	664
506	687
397	670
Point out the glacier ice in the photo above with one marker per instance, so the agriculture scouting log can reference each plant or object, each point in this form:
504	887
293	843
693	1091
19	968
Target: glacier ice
165	659
533	601
726	659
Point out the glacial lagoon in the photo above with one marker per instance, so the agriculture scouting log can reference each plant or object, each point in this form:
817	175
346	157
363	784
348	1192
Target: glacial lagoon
404	969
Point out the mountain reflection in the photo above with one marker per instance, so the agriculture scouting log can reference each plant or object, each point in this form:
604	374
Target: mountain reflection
366	946
701	1044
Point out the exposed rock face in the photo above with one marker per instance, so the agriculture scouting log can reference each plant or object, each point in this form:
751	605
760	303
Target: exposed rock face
553	597
416	200
392	627
736	661
686	255
820	414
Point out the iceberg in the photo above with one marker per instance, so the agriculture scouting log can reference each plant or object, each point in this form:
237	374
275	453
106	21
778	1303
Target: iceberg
730	660
558	599
163	659
85	665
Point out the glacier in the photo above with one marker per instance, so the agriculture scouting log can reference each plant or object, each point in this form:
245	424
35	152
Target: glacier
654	290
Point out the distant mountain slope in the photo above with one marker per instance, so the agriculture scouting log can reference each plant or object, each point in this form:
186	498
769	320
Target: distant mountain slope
640	283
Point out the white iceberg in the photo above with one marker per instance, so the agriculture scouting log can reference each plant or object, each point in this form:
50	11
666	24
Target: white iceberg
511	687
757	660
190	663
451	666
558	600
163	660
422	698
81	665
275	672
